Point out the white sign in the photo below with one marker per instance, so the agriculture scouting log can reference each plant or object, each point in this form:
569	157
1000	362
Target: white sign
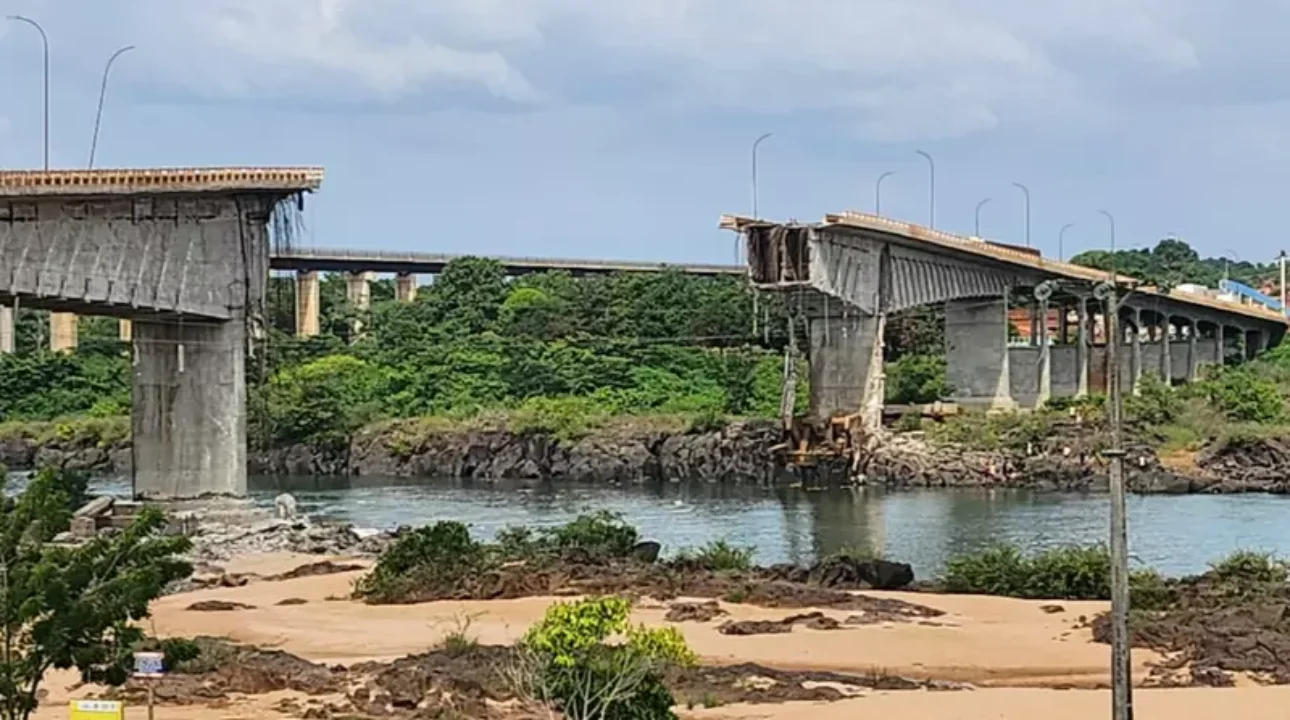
149	664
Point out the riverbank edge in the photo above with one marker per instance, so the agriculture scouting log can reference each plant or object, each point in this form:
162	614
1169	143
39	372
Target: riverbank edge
637	452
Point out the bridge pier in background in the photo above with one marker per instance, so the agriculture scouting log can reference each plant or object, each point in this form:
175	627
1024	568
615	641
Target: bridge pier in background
358	291
189	416
7	331
63	332
977	358
845	355
1083	351
125	330
405	287
308	301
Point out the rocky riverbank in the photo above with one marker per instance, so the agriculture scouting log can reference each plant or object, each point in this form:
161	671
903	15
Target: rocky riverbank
740	453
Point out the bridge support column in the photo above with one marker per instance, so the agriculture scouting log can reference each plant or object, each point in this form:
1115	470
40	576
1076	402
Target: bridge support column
7	338
1137	350
1082	349
1220	344
977	358
62	332
189	415
1166	357
307	304
846	367
1193	351
1255	343
405	287
1045	357
358	290
125	330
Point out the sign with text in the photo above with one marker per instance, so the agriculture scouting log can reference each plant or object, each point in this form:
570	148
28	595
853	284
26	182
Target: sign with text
149	664
96	710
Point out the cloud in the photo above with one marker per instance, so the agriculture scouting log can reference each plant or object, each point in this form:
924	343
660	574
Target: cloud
894	70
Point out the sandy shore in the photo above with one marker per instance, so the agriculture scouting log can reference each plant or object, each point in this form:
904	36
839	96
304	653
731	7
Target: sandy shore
1012	650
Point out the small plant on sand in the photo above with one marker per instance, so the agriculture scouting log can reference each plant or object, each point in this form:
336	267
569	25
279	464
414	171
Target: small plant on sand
459	641
1064	573
718	556
565	661
600	534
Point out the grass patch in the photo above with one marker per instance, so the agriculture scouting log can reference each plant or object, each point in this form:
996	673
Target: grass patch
718	556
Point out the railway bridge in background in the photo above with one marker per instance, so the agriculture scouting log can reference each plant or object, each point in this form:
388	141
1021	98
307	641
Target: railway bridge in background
851	271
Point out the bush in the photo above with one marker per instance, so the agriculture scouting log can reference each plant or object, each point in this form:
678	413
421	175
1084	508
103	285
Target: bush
1074	573
602	534
917	379
565	418
1155	404
1249	567
719	556
565	661
434	558
1243	396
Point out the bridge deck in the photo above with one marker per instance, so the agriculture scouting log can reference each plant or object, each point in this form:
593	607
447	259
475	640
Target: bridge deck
340	260
961	245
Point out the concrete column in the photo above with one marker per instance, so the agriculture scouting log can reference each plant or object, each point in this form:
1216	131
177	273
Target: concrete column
189	415
976	353
1045	357
1063	325
1166	361
307	304
1082	353
7	341
1193	352
358	290
1220	344
405	287
125	330
1137	349
1035	322
1256	341
844	377
62	332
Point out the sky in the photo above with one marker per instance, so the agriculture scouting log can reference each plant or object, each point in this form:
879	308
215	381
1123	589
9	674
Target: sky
623	129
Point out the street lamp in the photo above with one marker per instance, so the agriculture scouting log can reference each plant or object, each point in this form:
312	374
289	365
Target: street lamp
1234	256
755	145
1111	219
877	191
1061	237
977	226
98	117
1026	191
931	204
45	40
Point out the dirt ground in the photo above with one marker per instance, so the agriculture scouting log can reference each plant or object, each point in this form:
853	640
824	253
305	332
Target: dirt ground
1024	660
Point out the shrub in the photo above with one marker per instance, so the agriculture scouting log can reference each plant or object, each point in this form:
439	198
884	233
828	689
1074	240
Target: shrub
1074	573
917	379
565	418
432	558
1243	396
1155	404
565	661
601	534
1249	567
999	570
719	556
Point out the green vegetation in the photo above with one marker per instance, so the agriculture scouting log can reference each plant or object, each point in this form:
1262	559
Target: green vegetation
73	607
718	556
1173	262
566	661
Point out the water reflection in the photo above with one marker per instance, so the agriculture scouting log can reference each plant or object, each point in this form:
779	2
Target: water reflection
1174	534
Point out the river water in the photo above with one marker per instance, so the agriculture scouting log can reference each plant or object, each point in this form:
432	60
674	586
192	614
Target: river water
1174	534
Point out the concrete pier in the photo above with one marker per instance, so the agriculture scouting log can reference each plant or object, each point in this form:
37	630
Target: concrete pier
976	353
189	416
358	291
125	330
8	341
405	287
308	302
63	332
845	355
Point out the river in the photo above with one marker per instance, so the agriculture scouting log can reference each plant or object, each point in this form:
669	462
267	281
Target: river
1175	534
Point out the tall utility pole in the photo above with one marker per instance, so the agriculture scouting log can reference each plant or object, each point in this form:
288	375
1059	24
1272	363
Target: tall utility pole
976	226
877	191
1121	665
98	117
45	40
1026	191
931	186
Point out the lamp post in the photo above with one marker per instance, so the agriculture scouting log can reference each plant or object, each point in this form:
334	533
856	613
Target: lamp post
45	41
756	143
1026	191
877	191
976	227
931	203
1061	238
98	117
